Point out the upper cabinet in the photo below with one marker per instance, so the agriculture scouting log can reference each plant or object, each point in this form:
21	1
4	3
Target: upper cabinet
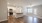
19	10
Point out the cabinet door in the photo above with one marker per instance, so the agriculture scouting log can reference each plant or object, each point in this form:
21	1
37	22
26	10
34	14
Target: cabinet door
19	10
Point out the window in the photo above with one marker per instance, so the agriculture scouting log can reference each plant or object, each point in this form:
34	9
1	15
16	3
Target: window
35	11
30	10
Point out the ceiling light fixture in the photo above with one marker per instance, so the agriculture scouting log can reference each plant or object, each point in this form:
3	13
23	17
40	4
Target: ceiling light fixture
8	3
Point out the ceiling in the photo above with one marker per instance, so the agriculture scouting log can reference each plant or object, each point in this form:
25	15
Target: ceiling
24	2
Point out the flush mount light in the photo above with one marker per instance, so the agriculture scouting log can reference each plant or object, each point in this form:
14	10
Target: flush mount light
30	5
8	3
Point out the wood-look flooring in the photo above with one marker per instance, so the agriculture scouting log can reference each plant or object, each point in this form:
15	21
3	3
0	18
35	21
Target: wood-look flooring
12	19
24	19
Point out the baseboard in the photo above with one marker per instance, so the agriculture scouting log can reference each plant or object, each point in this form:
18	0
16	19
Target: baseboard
3	20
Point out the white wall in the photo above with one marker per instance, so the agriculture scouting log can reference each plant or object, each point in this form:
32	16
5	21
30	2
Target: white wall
3	10
39	11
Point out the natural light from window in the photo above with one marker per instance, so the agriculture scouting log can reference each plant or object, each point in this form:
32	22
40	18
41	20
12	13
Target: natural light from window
35	11
30	19
29	10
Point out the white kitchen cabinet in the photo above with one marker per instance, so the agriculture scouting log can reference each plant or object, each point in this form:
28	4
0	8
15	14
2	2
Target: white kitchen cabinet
18	10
